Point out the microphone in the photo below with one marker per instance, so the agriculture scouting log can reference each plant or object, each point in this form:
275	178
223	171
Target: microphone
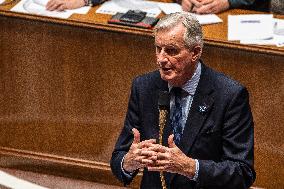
164	106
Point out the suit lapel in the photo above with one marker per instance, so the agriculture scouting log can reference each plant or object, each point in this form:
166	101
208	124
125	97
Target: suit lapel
202	103
200	108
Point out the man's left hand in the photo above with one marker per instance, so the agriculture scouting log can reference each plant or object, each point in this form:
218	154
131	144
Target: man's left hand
170	159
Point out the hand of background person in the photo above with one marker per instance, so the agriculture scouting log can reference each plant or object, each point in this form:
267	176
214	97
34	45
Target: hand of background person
134	159
61	5
209	6
188	5
170	159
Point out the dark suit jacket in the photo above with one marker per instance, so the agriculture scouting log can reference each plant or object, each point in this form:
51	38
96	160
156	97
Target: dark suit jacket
221	137
257	5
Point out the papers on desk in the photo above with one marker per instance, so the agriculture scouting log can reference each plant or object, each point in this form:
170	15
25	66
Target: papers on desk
38	7
203	19
169	8
257	26
277	40
152	8
208	19
13	182
122	6
279	26
259	29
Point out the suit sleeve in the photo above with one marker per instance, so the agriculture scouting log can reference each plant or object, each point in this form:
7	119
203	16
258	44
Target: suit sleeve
240	3
235	170
126	137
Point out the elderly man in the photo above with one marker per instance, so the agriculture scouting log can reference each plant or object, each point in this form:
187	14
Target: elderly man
209	132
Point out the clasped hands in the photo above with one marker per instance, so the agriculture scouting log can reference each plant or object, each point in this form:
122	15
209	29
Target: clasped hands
196	6
155	157
205	6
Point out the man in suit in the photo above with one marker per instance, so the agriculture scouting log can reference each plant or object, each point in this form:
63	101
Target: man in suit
208	138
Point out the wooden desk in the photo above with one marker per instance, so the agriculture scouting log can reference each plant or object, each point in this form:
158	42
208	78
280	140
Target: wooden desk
65	85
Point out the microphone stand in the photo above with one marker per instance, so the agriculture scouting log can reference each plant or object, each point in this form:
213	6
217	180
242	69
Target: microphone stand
164	104
162	123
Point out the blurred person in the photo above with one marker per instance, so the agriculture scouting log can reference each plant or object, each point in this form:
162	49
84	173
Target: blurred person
61	5
277	6
217	6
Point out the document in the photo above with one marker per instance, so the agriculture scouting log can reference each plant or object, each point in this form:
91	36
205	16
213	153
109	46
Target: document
279	26
152	8
208	19
203	19
13	182
169	8
38	7
252	26
122	6
277	38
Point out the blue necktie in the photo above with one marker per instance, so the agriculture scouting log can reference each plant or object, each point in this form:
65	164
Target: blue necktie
176	121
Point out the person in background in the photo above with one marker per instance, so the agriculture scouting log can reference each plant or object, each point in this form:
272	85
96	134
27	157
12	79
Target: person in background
61	5
277	6
208	140
217	6
195	6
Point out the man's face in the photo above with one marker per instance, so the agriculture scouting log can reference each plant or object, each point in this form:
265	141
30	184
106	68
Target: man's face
176	62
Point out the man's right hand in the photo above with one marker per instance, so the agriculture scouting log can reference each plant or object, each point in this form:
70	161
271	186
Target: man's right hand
133	159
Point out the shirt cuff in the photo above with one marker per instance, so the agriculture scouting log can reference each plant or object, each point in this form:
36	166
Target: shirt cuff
196	170
126	173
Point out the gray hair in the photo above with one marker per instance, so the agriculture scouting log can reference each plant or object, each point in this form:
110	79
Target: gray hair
193	34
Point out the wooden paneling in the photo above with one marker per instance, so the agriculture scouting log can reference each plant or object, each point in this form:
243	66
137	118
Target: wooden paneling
64	90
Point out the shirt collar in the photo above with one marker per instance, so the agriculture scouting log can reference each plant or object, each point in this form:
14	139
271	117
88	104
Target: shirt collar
191	85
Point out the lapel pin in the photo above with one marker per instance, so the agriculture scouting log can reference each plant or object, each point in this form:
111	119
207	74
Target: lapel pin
203	109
